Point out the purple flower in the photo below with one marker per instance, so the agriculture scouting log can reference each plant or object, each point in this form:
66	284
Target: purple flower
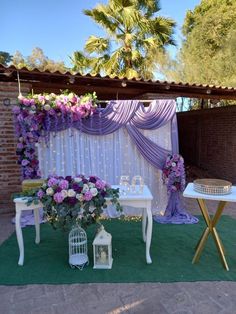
40	194
16	109
58	189
88	196
93	179
77	187
20	146
58	197
64	184
100	184
68	178
72	200
24	162
52	181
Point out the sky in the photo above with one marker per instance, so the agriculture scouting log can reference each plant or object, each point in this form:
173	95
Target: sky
59	27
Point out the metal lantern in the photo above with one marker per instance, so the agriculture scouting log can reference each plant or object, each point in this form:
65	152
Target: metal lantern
102	250
137	185
78	248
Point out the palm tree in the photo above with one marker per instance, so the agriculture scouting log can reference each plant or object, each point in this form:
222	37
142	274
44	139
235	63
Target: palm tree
135	35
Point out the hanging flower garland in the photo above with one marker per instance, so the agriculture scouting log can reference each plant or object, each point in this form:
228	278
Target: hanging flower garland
32	115
173	173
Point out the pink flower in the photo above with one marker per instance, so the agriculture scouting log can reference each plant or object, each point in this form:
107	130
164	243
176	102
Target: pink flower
58	197
88	196
64	184
100	184
26	102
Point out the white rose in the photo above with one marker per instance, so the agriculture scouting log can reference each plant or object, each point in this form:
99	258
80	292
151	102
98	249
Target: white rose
77	180
64	193
47	107
71	193
80	197
49	191
85	188
91	185
94	191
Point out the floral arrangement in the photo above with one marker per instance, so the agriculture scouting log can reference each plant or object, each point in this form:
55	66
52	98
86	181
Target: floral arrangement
75	200
173	173
33	115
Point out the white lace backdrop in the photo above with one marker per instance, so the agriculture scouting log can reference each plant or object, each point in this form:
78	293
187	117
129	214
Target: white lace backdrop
72	152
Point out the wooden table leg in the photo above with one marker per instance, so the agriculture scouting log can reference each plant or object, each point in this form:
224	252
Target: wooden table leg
211	223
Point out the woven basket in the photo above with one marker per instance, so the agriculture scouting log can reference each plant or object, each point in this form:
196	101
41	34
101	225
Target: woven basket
212	186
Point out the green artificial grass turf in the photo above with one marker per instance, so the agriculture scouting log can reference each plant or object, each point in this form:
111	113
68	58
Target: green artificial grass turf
172	250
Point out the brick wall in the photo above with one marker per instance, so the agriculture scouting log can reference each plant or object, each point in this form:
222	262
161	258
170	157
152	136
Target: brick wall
9	170
208	140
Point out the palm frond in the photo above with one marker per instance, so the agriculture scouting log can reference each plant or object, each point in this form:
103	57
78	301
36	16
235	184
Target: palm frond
97	45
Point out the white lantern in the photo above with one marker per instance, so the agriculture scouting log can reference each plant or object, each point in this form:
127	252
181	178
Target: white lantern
102	250
78	248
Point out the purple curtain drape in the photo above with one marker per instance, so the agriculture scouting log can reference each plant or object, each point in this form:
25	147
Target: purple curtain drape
132	115
175	212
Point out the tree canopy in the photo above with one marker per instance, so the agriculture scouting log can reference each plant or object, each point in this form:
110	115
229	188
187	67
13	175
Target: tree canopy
208	53
135	34
38	60
5	58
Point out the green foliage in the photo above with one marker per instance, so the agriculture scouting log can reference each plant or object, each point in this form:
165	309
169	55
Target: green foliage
208	52
135	35
5	58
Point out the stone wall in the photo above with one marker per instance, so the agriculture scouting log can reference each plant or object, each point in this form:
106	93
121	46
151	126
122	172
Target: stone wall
208	140
9	170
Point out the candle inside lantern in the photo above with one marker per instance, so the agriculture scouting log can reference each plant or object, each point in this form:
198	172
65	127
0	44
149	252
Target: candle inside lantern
103	257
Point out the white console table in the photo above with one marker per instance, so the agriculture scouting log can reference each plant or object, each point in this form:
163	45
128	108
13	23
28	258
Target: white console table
21	205
143	201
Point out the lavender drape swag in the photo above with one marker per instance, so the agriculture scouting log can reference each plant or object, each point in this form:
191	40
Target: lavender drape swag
132	115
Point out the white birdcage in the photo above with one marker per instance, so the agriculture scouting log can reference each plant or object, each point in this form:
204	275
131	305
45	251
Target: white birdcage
78	248
102	250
